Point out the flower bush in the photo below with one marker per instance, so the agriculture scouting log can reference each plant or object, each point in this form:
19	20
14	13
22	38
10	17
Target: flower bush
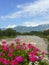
17	53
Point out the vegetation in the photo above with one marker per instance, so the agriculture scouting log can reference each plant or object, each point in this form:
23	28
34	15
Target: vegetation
21	54
7	33
12	33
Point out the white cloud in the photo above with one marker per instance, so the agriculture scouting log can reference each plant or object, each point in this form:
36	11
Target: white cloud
33	23
30	9
11	26
28	23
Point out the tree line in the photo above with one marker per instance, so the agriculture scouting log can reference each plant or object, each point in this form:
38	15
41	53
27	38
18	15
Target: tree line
7	33
12	33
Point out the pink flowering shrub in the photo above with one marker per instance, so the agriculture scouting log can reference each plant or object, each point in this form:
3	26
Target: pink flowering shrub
18	53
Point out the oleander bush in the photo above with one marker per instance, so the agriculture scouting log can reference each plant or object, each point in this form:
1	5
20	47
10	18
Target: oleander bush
17	53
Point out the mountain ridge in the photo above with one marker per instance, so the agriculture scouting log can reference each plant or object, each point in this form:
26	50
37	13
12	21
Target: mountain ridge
30	28
41	27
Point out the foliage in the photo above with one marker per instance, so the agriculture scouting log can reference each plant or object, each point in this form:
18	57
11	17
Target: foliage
12	33
7	33
46	32
18	53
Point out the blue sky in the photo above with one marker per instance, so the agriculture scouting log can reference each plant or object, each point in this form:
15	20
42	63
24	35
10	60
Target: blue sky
23	12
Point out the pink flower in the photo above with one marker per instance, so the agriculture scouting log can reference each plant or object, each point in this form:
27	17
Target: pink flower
11	50
4	47
24	43
19	59
39	57
43	53
32	53
32	59
10	54
32	56
17	39
13	62
3	41
12	44
18	47
36	50
30	46
24	48
1	59
5	61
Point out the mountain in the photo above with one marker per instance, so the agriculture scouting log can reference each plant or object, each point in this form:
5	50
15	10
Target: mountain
41	27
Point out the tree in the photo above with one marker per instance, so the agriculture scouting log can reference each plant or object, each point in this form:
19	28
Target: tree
9	32
1	33
46	32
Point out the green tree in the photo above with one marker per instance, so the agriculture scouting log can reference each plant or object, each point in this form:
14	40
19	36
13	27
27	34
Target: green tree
1	33
46	32
9	32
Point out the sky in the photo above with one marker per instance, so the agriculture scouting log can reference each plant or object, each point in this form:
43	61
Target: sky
23	13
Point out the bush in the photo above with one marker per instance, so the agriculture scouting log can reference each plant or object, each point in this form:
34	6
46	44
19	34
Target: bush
18	53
